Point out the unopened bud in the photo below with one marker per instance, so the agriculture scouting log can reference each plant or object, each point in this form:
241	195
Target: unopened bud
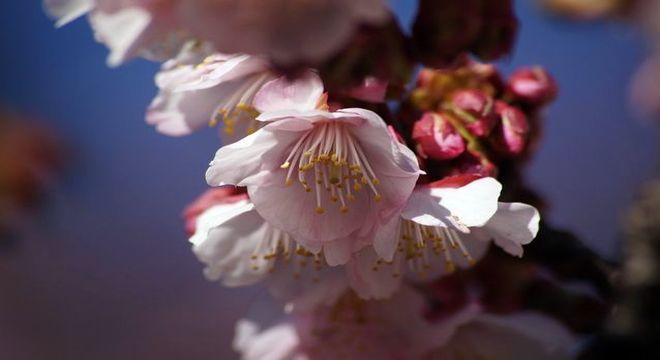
437	138
476	109
513	130
498	30
534	86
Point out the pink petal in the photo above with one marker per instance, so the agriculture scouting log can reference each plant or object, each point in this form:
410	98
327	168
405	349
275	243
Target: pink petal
240	162
292	209
301	94
367	282
338	252
386	238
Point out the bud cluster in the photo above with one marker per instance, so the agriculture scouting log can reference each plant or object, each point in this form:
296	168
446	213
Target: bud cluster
467	120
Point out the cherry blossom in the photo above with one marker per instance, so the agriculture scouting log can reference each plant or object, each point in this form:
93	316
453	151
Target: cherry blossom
329	179
201	87
448	223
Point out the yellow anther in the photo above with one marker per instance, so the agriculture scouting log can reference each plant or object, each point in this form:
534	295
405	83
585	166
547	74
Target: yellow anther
375	181
378	197
343	209
285	165
450	267
319	210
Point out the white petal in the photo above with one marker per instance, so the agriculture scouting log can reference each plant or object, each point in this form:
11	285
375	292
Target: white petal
300	94
425	209
178	114
120	31
240	162
230	68
367	282
225	238
66	11
279	342
473	204
513	225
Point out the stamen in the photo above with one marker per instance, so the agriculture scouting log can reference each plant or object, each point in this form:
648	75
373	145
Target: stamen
275	247
425	247
340	165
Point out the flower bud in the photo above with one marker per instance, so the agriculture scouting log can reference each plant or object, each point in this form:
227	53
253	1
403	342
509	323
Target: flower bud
498	30
476	109
437	138
443	30
512	132
534	86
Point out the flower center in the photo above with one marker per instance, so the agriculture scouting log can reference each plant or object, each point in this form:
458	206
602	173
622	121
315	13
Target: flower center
338	163
277	246
420	244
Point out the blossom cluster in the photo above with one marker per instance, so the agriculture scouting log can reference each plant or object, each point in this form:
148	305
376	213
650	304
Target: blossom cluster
349	212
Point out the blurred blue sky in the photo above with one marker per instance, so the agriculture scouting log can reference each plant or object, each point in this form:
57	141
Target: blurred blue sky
107	270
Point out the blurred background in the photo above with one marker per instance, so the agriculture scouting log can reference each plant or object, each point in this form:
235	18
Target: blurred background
103	270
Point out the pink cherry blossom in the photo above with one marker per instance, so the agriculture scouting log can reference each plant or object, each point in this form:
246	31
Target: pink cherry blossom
129	28
239	248
329	179
442	225
285	31
201	88
349	329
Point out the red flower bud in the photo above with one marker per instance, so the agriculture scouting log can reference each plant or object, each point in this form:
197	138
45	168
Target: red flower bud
513	130
437	138
476	109
534	86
